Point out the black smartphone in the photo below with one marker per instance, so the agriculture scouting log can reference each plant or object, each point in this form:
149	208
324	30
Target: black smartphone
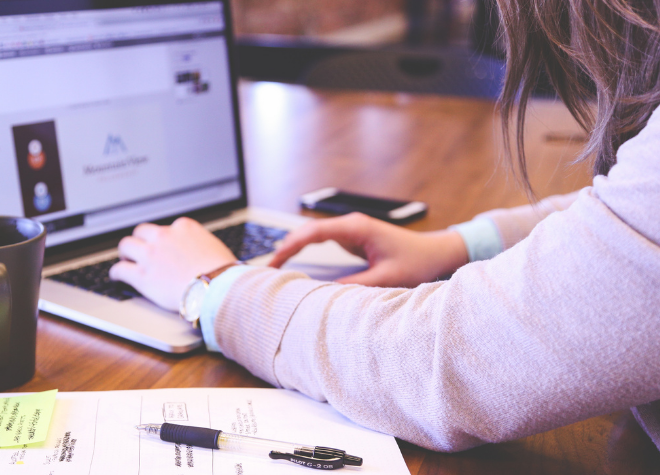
333	200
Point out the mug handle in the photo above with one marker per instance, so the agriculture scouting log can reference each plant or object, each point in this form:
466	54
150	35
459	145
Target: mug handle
5	315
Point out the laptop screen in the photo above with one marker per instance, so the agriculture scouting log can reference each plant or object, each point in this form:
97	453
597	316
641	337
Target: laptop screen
112	117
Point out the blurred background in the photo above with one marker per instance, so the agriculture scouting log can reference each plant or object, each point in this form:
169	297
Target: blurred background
424	46
364	22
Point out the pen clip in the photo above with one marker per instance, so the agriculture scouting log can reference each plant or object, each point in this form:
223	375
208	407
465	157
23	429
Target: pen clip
310	462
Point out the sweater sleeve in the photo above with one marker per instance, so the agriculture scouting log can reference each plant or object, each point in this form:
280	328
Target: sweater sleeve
515	224
490	233
481	237
561	327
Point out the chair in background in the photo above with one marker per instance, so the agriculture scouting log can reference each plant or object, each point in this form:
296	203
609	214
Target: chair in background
424	64
448	71
451	71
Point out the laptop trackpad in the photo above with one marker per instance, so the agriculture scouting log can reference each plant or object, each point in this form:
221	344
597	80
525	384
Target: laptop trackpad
326	261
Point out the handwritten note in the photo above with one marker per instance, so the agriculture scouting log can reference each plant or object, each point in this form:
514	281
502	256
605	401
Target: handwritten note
93	433
25	419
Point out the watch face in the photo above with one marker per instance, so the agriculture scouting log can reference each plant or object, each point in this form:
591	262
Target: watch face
193	301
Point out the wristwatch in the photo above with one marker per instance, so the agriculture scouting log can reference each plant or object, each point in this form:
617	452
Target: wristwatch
190	308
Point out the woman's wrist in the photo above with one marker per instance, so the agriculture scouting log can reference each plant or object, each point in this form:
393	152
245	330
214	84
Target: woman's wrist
456	255
217	292
446	252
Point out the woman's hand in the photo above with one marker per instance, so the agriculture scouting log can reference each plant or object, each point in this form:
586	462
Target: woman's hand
160	261
397	257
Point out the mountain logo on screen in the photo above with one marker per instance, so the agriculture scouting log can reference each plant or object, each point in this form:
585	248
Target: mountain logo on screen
114	145
116	158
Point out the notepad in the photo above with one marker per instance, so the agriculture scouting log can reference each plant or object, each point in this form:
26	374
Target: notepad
25	419
93	433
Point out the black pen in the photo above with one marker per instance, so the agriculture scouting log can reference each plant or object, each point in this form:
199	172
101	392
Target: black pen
320	458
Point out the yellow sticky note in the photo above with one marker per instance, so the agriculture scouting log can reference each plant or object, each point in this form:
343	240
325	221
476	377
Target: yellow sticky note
25	419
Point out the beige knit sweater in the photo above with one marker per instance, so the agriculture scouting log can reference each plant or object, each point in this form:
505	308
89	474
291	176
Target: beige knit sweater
562	326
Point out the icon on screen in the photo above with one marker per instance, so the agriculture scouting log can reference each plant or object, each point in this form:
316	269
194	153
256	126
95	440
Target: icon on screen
36	157
191	83
39	169
42	199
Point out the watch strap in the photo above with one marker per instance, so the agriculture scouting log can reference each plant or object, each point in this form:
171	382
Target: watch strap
212	275
206	278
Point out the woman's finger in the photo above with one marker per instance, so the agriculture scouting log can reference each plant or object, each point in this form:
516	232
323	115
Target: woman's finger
294	242
345	230
133	249
128	272
148	232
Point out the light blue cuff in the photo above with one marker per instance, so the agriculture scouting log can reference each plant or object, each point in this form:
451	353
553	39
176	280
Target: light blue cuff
481	237
218	289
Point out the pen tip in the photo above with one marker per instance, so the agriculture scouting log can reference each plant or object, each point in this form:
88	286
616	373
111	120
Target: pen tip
149	428
352	460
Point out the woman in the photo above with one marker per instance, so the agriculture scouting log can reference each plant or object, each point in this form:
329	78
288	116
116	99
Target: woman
560	321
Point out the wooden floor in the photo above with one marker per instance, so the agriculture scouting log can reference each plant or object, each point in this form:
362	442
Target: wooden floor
440	150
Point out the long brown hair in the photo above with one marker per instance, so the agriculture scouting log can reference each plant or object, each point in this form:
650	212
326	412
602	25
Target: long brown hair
615	44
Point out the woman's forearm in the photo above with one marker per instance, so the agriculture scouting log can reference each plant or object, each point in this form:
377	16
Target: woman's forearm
506	348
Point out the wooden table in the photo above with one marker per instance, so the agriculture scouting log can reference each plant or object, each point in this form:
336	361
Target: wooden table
440	150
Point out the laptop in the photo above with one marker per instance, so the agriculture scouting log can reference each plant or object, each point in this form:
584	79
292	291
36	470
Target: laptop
115	113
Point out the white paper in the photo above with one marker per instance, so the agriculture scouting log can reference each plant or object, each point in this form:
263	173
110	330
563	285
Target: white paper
93	433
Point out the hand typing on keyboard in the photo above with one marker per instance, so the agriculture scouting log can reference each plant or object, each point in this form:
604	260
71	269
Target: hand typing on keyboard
160	261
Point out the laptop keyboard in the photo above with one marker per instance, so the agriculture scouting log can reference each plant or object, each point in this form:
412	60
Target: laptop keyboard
245	240
96	278
249	240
